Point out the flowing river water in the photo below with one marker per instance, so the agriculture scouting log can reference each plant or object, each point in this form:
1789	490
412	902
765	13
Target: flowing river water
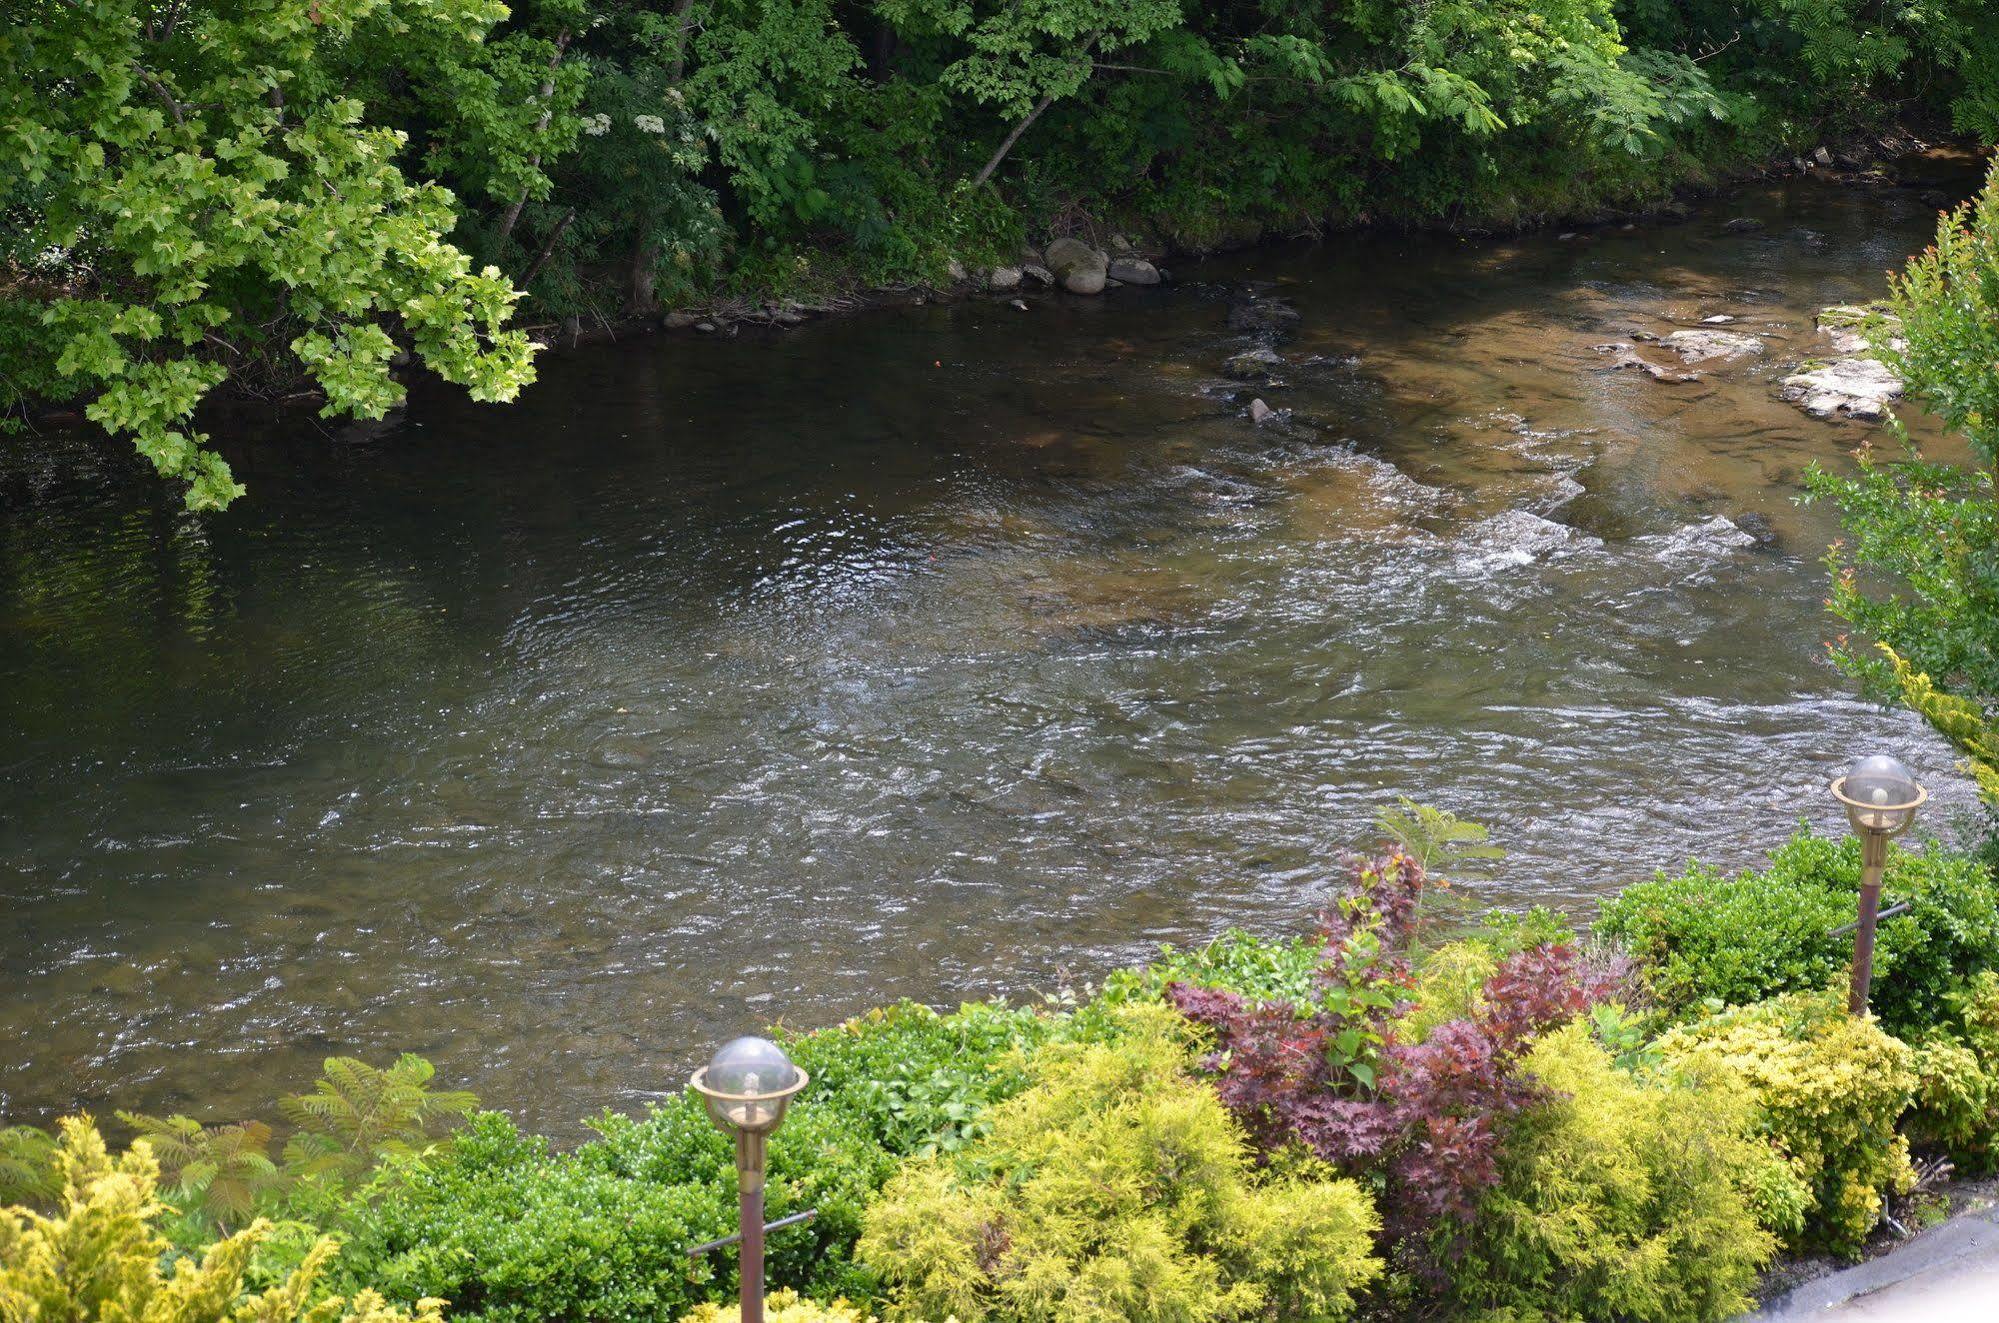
936	651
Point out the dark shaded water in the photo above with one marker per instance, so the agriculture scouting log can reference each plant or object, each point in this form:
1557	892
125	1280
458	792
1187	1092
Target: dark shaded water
930	652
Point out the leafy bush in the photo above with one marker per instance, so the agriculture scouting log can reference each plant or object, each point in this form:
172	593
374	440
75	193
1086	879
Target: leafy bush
1708	937
1829	1089
1423	1116
1621	1197
508	1230
1957	1078
1117	1187
100	1256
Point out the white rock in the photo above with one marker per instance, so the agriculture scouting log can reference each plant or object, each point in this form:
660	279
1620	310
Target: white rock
1706	346
1005	277
1847	387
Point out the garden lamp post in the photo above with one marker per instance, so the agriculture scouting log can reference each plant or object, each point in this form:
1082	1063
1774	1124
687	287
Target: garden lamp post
748	1085
1881	799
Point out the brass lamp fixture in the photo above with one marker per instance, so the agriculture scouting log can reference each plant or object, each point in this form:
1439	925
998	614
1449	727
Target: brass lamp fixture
748	1086
1881	799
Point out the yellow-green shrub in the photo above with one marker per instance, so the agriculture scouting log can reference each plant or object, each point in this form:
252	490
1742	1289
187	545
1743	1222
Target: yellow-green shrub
1829	1090
1626	1197
1450	986
782	1307
1117	1187
99	1256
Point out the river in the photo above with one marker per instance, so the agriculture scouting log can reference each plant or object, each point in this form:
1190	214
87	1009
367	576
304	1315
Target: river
935	651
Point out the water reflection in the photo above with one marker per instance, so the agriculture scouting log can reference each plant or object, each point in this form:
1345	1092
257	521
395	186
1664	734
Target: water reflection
926	653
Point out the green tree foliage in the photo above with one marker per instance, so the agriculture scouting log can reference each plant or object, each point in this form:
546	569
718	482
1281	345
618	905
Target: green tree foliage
200	193
192	194
1117	1187
1920	576
1622	1197
100	1256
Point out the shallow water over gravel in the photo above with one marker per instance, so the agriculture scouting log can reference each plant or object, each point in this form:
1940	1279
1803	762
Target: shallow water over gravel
929	652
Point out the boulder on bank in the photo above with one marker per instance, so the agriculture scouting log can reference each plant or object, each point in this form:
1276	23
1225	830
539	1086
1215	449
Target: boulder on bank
1005	278
1081	268
1134	271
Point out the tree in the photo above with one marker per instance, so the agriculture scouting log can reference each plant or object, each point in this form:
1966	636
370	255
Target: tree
1930	531
1022	56
190	194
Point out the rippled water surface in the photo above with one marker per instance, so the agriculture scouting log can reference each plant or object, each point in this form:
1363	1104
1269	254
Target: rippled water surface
933	652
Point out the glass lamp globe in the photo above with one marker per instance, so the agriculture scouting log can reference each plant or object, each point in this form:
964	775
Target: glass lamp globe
1880	795
748	1084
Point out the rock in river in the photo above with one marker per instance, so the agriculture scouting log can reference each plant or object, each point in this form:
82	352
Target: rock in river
1706	346
1252	364
1846	387
1263	315
1081	268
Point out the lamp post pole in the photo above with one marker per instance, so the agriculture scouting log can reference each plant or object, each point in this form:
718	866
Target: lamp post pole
747	1088
1873	862
1881	799
750	1208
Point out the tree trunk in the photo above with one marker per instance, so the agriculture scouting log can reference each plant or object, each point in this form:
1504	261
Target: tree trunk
1082	53
987	171
513	215
682	24
639	295
548	248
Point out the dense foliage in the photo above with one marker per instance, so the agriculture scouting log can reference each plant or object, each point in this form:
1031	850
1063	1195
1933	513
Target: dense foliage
1623	1197
1708	937
1425	1116
1399	1112
194	192
1117	1187
99	1255
1829	1089
1919	579
506	1228
255	191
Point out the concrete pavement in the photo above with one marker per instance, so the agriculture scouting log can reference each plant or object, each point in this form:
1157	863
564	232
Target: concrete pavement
1948	1274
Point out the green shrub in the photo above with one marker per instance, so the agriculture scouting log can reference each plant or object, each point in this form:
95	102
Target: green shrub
1623	1197
1707	937
101	1256
1957	1079
1829	1090
1117	1188
508	1230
